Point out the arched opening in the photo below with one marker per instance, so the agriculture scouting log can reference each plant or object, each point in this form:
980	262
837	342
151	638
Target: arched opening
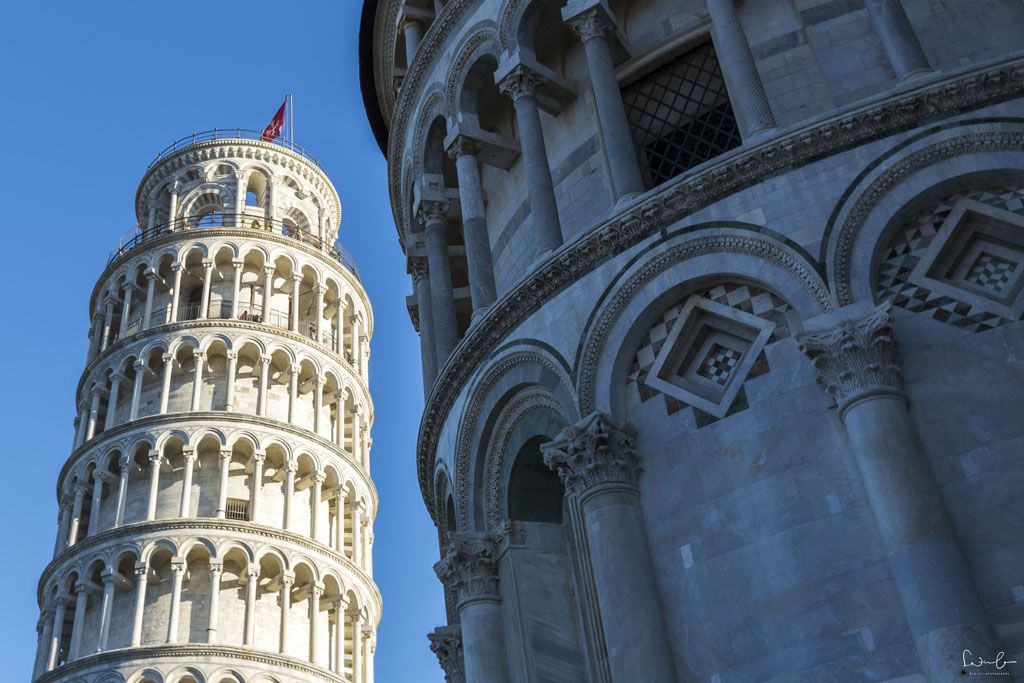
535	493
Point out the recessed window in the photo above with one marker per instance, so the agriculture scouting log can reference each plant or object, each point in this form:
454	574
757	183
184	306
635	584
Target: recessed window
680	115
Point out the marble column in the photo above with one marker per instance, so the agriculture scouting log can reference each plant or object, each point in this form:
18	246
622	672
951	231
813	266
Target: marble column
83	589
446	643
229	395
115	390
222	489
111	580
197	380
357	654
289	493
96	503
63	526
595	30
216	568
315	492
76	513
287	579
147	312
236	286
127	464
421	287
296	296
257	485
432	214
185	509
412	30
140	372
482	291
60	611
177	576
108	317
470	569
155	461
249	628
45	638
165	385
898	38
315	591
262	399
268	292
856	361
126	309
746	90
178	268
597	462
520	84
141	578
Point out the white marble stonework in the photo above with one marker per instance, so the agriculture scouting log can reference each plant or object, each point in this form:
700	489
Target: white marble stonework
216	512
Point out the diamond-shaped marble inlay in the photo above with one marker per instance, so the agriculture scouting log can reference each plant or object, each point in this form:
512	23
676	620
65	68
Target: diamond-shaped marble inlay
934	264
991	272
719	364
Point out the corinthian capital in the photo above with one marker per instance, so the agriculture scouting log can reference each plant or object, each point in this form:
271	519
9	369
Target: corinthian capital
856	358
593	452
463	145
520	82
430	212
446	643
591	23
470	567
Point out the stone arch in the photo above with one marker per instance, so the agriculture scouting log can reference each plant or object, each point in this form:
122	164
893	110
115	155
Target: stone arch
687	258
497	384
901	180
482	42
432	108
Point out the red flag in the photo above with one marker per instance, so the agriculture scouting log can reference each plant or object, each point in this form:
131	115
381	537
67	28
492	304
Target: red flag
276	125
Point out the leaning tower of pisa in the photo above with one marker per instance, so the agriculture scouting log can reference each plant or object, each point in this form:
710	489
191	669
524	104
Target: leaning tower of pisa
215	514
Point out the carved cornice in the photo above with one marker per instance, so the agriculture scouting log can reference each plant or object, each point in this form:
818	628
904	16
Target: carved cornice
446	643
470	567
857	358
188	654
593	453
988	142
467	430
237	531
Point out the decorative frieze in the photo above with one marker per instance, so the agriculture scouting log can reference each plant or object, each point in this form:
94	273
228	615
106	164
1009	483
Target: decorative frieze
595	452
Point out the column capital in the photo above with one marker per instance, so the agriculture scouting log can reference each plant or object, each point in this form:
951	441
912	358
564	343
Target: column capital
287	578
216	566
81	488
155	458
126	462
856	358
237	263
226	453
470	567
189	453
520	81
150	274
291	466
463	146
265	360
63	601
207	263
177	266
592	22
86	588
140	364
432	211
198	355
178	565
259	456
168	357
593	452
269	270
252	572
232	355
446	643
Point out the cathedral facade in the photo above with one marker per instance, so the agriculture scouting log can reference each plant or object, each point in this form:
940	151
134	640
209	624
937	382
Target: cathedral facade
720	314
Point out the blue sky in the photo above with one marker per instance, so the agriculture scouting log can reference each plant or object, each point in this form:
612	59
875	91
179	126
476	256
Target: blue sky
91	92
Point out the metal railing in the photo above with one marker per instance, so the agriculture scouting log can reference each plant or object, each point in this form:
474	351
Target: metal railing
230	134
237	509
214	221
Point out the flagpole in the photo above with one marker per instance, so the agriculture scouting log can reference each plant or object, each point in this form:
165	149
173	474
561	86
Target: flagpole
291	118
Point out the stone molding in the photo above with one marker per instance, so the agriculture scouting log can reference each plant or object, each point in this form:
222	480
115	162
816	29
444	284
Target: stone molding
856	359
508	419
197	422
868	199
470	567
190	653
456	71
596	452
260	533
461	487
236	148
446	643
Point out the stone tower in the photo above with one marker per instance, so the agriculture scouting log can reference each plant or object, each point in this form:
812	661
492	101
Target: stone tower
216	510
721	308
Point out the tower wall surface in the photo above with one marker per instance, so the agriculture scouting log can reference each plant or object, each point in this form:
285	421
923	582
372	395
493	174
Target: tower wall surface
720	310
216	512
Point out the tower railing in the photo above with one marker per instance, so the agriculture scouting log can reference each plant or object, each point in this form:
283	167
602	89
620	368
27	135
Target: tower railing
218	221
230	134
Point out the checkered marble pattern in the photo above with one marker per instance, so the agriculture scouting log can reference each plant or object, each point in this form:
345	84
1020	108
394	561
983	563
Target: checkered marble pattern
905	250
719	364
991	272
749	298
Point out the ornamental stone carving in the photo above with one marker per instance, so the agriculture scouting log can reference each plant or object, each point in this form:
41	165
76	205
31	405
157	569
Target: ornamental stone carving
470	567
430	211
593	23
446	643
521	81
462	146
856	358
595	452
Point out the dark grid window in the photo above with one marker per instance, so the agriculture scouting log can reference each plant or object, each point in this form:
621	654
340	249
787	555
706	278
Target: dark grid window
680	115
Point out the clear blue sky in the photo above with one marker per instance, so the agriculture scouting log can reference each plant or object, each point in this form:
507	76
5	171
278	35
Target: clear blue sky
91	92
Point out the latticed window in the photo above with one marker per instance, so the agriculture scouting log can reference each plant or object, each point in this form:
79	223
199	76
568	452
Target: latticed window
238	509
680	115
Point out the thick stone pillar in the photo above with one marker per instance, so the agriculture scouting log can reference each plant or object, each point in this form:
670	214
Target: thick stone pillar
287	579
252	582
597	462
520	84
898	38
856	361
165	385
197	380
482	291
432	215
186	484
595	30
446	643
140	369
58	632
211	625
746	90
229	395
470	569
147	312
